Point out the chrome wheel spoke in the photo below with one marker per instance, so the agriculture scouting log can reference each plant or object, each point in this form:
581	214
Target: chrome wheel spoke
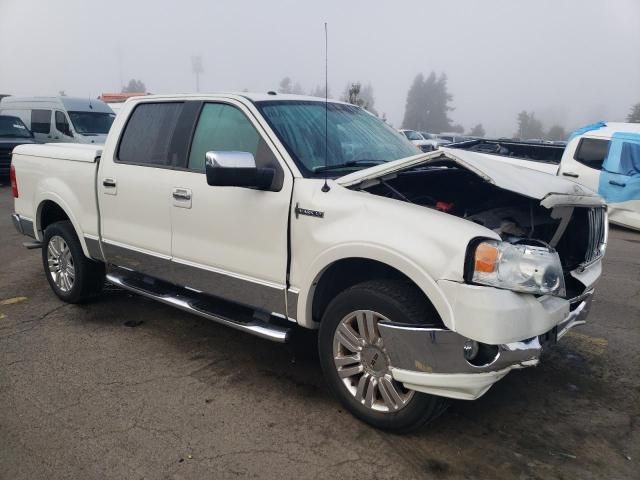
362	386
371	392
346	360
349	338
390	395
350	371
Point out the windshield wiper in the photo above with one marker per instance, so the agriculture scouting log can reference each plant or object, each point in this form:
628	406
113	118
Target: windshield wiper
352	163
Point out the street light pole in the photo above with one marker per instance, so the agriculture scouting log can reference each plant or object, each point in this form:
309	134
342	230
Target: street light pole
196	66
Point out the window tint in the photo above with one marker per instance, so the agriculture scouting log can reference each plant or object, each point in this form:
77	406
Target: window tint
148	133
592	152
41	121
222	128
62	124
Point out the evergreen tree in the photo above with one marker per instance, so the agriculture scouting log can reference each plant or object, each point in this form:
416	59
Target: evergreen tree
634	115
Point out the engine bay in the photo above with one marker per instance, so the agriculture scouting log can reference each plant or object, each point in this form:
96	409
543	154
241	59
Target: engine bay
448	187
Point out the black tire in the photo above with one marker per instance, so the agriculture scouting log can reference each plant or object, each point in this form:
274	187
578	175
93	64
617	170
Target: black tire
399	302
89	275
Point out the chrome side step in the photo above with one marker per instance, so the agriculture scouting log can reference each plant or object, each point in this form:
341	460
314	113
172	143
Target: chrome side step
190	302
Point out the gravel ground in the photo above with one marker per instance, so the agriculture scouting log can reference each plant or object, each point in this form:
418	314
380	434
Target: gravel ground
83	395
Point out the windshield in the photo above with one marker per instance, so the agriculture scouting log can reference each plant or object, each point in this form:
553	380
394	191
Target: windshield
411	135
91	123
13	127
356	139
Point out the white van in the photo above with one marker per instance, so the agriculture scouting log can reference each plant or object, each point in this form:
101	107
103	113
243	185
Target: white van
61	119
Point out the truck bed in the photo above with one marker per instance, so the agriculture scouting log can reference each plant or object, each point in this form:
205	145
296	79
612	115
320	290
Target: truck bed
63	173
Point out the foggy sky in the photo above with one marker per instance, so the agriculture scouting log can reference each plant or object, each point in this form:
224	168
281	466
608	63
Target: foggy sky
571	61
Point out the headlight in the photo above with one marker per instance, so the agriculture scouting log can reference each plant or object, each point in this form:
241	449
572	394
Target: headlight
522	268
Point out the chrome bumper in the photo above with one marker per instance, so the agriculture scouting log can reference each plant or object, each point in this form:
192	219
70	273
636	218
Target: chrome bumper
440	351
23	225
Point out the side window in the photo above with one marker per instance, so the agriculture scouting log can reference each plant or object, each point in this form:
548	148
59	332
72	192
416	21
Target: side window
147	135
592	152
222	128
41	121
62	124
630	159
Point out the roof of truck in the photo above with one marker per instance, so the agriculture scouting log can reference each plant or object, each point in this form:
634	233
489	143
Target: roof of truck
605	129
254	97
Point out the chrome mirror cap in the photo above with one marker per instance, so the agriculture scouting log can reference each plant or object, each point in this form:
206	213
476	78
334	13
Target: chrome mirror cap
230	159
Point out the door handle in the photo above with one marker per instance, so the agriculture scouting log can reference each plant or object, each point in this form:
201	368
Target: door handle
109	183
570	174
617	184
181	194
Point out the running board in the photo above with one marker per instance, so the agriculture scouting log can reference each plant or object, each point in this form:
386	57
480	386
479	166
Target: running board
201	305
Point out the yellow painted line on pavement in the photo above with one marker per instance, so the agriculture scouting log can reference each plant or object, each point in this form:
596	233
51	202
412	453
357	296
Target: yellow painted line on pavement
12	301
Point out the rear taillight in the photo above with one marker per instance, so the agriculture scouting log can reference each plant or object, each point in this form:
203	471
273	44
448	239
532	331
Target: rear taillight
14	182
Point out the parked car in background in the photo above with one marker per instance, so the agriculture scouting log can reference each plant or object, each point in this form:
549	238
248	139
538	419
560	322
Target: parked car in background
61	119
452	137
13	132
604	157
428	275
434	139
415	138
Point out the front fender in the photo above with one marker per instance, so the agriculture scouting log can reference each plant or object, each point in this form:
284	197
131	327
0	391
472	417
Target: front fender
377	253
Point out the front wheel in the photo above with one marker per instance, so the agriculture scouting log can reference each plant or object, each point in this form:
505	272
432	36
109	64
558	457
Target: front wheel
72	276
355	361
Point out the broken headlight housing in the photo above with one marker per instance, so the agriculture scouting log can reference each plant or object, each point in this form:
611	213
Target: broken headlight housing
519	267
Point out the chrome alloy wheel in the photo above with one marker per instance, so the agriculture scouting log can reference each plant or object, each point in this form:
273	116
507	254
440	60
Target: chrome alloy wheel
363	365
60	262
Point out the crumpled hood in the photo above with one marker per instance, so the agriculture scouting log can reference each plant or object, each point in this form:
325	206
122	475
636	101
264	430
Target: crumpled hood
550	189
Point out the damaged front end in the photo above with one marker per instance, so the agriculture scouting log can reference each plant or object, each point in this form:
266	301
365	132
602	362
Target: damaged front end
519	293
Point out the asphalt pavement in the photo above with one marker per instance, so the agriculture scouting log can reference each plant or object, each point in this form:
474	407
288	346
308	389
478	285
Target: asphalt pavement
126	388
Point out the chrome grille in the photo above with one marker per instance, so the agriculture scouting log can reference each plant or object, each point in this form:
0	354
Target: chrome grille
597	234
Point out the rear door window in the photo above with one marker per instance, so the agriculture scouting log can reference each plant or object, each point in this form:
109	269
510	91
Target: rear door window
592	152
41	121
147	136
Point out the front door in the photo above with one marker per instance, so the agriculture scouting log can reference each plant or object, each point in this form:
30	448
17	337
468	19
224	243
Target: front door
135	186
231	241
62	130
585	165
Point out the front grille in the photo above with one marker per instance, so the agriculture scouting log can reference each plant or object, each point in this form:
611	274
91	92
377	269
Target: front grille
597	234
584	239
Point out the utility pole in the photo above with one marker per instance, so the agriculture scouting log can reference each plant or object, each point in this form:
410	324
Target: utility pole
196	66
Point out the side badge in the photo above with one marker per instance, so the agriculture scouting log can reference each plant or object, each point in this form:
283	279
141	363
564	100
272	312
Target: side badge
310	213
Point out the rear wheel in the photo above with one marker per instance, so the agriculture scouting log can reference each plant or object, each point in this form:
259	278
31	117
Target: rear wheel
72	276
355	361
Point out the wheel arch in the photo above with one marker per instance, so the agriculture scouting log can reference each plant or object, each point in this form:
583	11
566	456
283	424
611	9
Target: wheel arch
336	271
53	209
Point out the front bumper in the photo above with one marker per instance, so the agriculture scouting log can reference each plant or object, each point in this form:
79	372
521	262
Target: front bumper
432	360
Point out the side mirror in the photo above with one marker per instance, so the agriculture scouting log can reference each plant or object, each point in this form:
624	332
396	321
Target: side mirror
236	169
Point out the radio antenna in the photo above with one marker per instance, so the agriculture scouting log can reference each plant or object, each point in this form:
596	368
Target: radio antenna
325	187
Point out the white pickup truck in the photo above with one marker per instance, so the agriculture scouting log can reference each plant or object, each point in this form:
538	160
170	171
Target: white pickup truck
428	275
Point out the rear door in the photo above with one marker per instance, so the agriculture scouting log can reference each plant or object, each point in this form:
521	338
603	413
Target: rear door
231	241
135	190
